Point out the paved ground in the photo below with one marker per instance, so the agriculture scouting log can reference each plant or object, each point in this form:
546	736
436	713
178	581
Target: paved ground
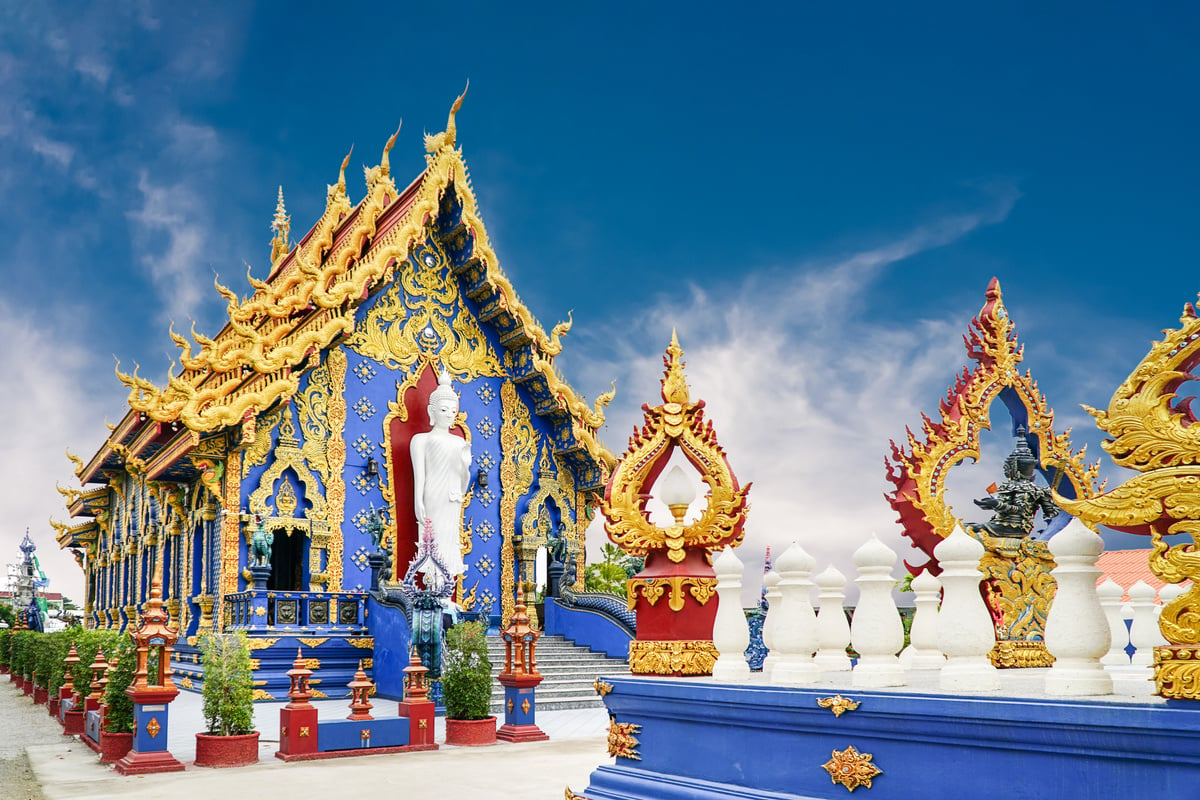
64	769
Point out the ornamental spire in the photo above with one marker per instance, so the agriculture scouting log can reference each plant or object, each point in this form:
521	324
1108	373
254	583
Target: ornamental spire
281	225
674	384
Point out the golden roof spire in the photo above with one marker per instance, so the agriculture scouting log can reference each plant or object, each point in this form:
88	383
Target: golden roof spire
282	227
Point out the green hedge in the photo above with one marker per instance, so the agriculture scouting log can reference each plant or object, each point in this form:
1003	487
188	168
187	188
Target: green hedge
119	717
5	641
87	643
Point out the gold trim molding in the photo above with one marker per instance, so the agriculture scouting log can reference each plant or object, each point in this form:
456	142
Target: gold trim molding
672	657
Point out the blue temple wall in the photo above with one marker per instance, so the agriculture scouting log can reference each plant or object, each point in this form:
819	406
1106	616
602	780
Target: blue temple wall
707	740
586	628
393	639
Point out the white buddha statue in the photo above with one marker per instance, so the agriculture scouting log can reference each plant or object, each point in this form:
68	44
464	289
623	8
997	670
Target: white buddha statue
441	471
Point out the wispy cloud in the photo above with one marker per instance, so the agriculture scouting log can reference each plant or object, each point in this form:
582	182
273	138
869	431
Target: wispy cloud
804	386
170	234
59	153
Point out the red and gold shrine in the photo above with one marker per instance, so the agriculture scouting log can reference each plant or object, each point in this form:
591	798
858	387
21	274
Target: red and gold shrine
674	596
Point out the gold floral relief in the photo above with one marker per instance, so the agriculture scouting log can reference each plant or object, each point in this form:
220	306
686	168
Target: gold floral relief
672	657
621	739
518	449
851	768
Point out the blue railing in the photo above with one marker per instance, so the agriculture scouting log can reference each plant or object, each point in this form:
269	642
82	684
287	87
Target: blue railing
296	611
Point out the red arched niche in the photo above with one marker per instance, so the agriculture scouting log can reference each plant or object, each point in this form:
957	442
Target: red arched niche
416	402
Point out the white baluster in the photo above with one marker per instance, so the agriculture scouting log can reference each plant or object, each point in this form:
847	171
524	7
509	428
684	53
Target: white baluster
731	633
922	651
796	632
774	609
1144	634
964	627
876	631
1110	593
833	629
1076	628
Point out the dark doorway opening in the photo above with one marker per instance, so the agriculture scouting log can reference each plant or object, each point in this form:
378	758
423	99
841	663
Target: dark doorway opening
288	555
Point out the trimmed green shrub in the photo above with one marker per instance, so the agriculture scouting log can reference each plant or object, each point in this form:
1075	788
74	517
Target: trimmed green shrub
86	645
467	674
228	684
119	716
52	649
5	642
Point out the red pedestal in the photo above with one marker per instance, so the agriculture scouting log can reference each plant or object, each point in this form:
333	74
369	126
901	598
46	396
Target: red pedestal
658	621
52	707
40	694
73	723
519	725
420	721
114	746
149	763
297	731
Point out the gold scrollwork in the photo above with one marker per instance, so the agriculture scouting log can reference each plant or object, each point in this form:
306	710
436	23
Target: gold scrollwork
1015	654
671	657
838	705
851	768
362	642
621	740
702	589
602	687
261	644
678	422
312	642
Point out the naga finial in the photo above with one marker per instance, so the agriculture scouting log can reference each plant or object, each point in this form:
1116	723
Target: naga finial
385	166
77	461
674	385
340	186
449	137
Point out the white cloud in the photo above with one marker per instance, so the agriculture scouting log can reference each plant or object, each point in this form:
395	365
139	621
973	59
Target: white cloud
49	406
804	388
171	234
59	153
94	68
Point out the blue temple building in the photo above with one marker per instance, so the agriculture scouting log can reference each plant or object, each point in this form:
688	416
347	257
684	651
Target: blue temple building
296	417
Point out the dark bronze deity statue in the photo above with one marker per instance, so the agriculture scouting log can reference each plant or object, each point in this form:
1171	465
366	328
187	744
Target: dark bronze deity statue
1018	499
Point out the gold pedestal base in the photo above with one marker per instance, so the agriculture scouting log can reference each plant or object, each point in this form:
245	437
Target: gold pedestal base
1177	671
1014	654
678	658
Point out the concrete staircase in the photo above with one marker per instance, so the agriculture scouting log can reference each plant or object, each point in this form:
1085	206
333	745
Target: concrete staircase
569	673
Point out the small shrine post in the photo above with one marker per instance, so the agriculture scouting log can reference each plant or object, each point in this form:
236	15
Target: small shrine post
520	678
152	689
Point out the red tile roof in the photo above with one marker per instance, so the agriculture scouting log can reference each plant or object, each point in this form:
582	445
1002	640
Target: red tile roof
1127	567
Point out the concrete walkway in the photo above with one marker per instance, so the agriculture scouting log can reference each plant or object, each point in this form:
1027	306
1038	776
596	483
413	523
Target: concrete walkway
67	769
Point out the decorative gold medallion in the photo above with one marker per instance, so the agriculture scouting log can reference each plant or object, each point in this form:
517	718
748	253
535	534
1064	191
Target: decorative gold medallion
851	768
621	739
304	730
152	727
509	706
837	704
525	705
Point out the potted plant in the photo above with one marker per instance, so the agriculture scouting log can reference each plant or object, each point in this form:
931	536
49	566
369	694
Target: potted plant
467	686
51	663
231	740
5	641
39	668
116	734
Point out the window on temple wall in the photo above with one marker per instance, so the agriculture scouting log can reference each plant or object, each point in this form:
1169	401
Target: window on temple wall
289	557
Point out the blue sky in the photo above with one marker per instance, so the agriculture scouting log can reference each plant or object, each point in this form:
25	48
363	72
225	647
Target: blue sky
815	198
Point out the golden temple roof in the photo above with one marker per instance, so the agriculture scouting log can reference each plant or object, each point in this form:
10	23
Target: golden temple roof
309	301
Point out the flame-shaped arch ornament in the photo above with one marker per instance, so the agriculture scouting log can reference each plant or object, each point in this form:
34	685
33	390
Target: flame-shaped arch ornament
675	637
918	470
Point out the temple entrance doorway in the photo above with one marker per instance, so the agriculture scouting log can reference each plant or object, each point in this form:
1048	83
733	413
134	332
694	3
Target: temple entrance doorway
289	554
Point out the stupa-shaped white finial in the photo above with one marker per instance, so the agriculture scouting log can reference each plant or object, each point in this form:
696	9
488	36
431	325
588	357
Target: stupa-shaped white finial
833	630
1076	629
923	651
876	631
731	634
795	636
964	627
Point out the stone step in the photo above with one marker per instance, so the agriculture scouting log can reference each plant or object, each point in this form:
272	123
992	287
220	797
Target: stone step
568	674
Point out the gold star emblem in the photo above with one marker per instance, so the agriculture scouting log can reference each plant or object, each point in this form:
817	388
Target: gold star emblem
851	768
304	730
423	723
152	727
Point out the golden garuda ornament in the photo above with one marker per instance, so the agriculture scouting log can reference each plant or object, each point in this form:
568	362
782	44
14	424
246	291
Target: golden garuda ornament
674	634
1160	438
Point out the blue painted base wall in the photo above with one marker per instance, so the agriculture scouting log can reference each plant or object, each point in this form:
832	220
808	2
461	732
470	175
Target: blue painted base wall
586	628
705	740
389	627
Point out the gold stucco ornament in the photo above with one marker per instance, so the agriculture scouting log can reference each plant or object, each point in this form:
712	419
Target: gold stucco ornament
678	422
851	768
1158	435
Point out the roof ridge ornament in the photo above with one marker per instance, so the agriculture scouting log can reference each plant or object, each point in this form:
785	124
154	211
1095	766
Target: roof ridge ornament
447	139
281	225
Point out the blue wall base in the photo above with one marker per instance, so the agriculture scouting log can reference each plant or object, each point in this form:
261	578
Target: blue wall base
706	740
